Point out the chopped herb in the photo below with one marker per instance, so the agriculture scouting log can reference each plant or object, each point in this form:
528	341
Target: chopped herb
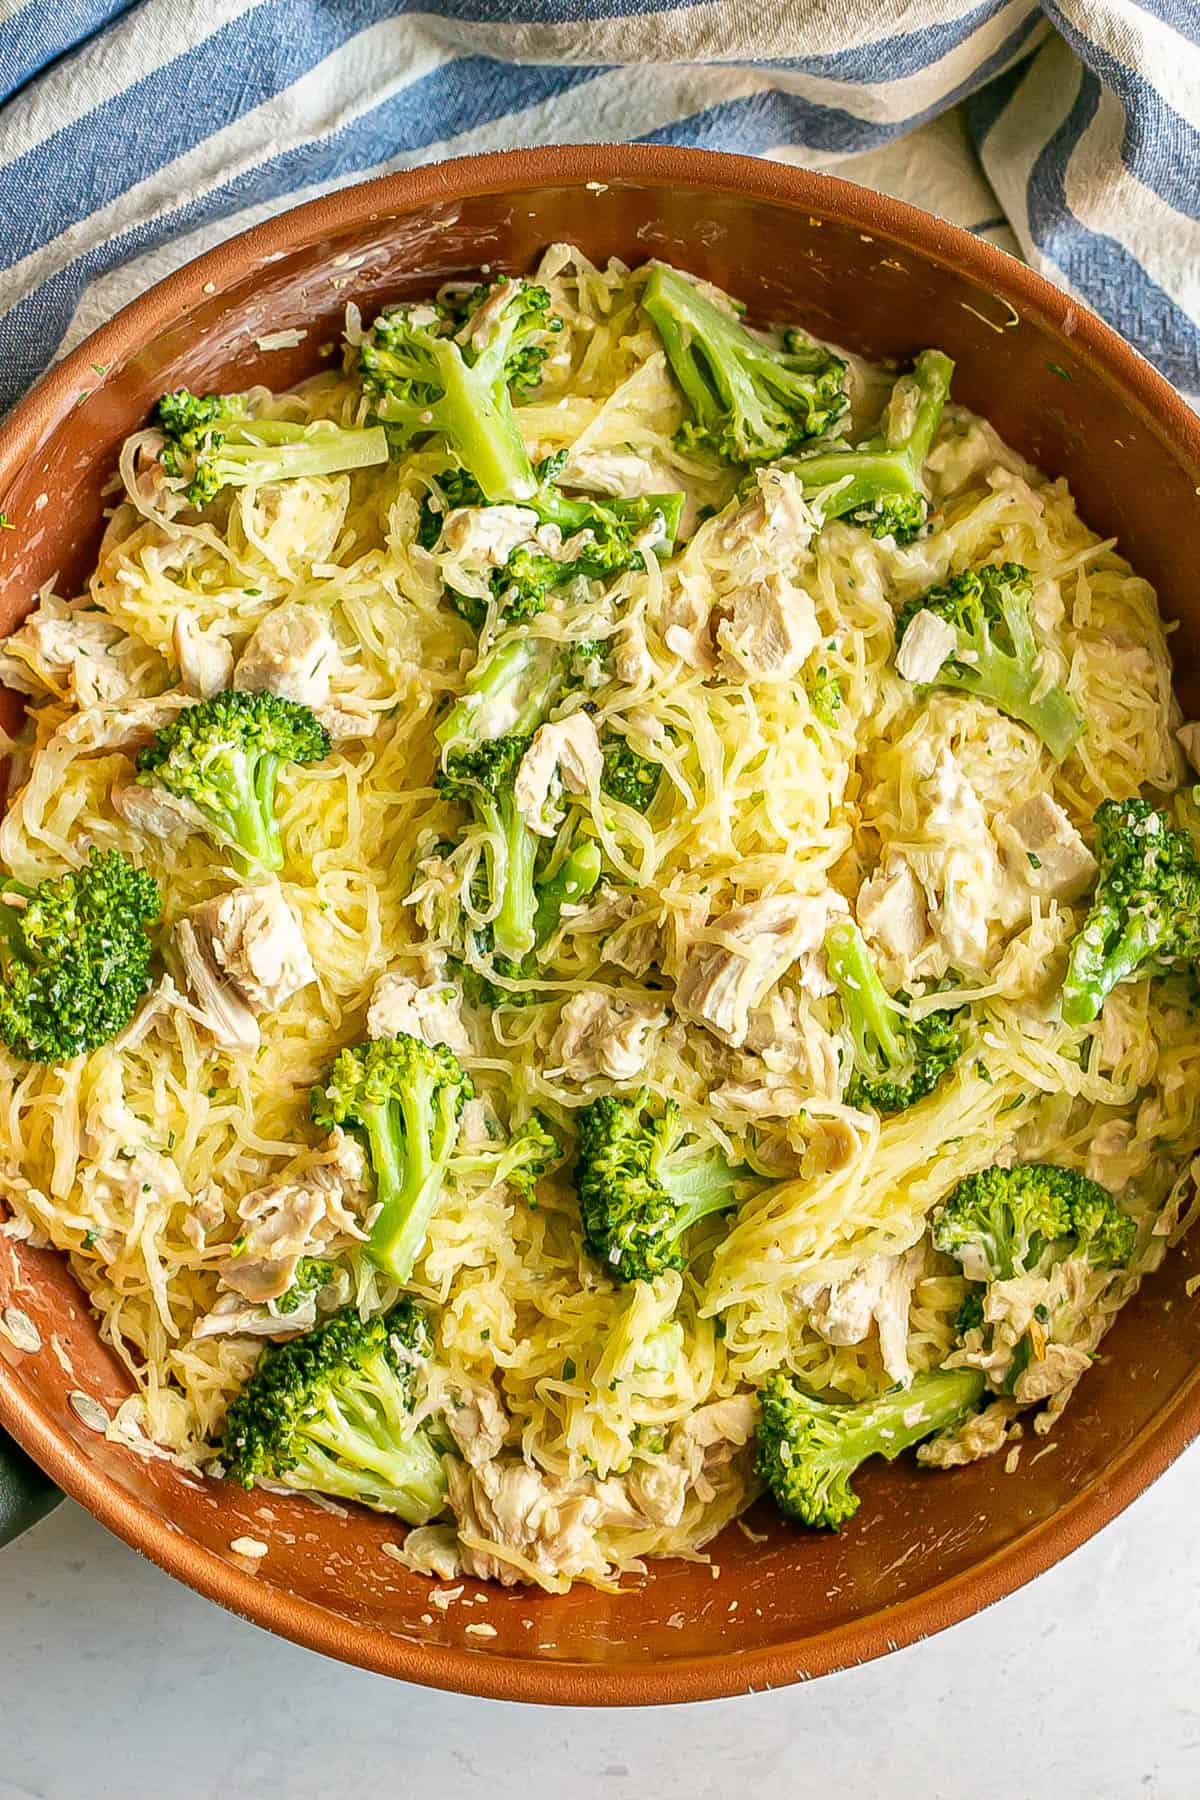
1035	862
984	1073
6	523
1057	369
90	1238
1011	1106
719	1326
485	1335
568	1373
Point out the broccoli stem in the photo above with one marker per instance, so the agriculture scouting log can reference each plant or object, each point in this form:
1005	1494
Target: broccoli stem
408	1171
870	1010
477	424
576	879
891	1424
514	931
263	450
507	693
890	464
372	1454
1099	962
699	1184
256	843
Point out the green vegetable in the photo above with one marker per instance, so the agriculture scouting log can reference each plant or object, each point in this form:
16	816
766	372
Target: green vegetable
483	778
880	484
406	1098
74	956
1145	911
507	694
808	1449
1001	1223
211	442
628	776
331	1412
224	756
750	403
643	1180
897	1061
312	1274
997	658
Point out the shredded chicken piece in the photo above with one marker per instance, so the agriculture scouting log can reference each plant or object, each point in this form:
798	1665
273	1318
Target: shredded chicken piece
231	1316
981	1435
1116	1156
969	890
926	644
599	1035
227	1017
880	1294
565	754
254	942
709	1439
550	1524
294	654
891	911
635	946
633	665
724	977
486	535
476	1421
204	657
155	812
770	631
68	651
831	1144
287	1220
1048	853
430	1011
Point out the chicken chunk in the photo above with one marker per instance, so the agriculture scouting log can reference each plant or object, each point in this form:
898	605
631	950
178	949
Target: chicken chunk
476	1421
565	754
879	1294
254	941
1047	851
68	651
709	1439
599	1035
156	812
744	953
486	535
226	1016
204	657
425	1010
981	1435
970	891
891	911
633	665
547	1526
925	646
231	1316
770	630
286	1220
292	654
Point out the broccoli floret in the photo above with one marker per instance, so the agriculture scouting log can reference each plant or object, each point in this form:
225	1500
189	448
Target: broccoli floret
507	694
808	1449
643	1180
331	1412
530	1152
483	778
74	956
406	1098
750	402
1001	1223
628	776
224	755
997	655
897	1061
1145	911
312	1274
429	376
605	537
879	485
453	488
210	442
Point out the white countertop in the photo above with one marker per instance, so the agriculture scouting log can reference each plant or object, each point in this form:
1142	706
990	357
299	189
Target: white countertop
118	1684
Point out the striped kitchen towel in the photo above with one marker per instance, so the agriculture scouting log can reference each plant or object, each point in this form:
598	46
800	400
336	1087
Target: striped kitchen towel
136	133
